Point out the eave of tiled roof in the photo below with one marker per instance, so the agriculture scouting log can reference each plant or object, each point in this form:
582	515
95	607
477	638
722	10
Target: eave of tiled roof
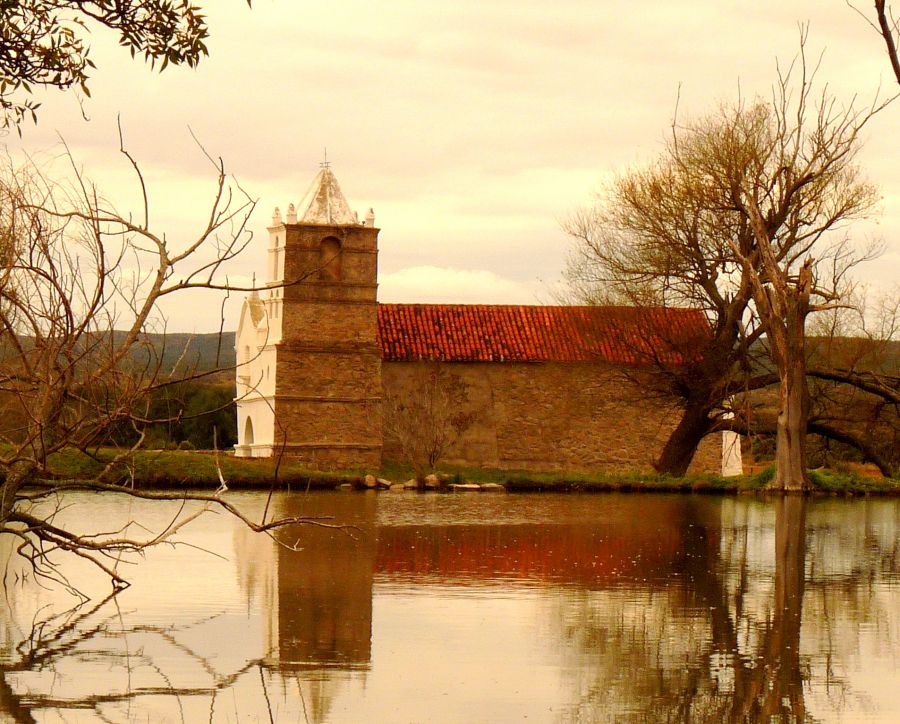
522	333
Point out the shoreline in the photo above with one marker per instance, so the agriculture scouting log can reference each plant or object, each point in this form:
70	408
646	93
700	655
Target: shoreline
180	469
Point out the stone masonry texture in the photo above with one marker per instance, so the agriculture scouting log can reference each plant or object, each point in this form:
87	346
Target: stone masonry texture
550	416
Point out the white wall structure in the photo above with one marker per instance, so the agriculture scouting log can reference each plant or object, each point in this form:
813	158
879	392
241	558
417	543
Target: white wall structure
732	461
259	330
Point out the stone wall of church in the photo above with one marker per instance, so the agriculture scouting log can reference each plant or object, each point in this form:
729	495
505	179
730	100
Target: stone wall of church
545	416
328	402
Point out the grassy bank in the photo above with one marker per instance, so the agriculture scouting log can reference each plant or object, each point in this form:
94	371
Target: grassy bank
826	482
195	469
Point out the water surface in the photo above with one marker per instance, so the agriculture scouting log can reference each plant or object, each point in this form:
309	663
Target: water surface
475	607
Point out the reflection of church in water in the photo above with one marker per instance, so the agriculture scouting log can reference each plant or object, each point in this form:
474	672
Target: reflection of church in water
318	597
317	602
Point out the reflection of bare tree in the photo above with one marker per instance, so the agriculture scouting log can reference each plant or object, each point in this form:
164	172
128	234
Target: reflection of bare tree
764	679
722	641
116	662
689	612
152	672
770	688
148	661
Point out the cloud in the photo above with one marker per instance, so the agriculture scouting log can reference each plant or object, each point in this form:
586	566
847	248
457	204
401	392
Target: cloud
472	128
444	285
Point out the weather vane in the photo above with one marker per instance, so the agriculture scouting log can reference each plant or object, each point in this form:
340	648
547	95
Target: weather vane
325	163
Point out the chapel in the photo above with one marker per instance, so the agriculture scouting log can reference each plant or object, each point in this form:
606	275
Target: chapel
329	375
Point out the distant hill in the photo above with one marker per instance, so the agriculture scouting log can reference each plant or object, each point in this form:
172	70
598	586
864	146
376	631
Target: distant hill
858	353
203	352
190	352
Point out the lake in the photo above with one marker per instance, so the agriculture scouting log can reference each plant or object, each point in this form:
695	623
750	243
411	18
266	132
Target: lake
473	607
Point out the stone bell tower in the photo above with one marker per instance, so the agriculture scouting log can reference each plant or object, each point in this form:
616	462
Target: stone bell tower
322	322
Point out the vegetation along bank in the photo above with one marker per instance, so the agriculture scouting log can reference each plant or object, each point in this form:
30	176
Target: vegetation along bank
198	469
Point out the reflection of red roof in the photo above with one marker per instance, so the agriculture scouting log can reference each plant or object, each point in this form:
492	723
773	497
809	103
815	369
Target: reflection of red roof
519	333
582	554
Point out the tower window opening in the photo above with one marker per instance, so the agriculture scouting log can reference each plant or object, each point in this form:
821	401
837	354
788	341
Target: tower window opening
330	259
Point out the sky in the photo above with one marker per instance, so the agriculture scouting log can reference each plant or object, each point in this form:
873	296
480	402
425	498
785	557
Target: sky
472	128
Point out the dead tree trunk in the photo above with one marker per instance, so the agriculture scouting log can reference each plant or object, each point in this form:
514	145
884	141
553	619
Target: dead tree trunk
887	28
793	411
783	304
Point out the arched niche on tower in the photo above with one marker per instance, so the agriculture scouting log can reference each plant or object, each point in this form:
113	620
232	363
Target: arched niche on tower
330	259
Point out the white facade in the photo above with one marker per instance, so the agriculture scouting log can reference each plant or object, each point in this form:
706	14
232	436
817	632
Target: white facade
732	462
259	330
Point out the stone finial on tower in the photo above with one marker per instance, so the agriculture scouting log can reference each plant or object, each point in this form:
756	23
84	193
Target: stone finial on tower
291	214
370	218
276	217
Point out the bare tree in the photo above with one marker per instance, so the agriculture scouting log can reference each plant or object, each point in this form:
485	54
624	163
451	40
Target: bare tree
791	174
656	238
79	290
888	27
853	367
727	220
426	420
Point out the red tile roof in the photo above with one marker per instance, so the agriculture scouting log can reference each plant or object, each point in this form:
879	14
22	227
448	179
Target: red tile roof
519	333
